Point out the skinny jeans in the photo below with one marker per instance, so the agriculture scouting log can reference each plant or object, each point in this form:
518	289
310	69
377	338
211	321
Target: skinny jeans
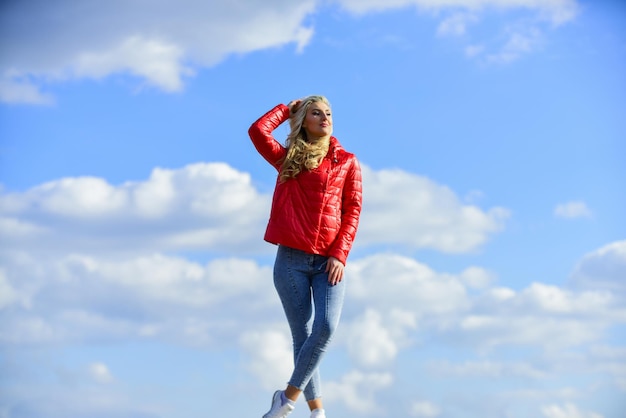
312	307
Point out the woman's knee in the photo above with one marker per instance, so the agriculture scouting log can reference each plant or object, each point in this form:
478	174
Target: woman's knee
324	328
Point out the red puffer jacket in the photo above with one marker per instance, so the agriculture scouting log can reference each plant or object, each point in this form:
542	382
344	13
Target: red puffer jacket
317	211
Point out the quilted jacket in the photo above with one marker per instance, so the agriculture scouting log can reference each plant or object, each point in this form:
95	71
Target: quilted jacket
318	210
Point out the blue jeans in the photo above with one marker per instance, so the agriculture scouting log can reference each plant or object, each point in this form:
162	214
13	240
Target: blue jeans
298	276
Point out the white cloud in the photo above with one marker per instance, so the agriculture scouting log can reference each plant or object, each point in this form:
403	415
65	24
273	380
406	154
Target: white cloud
79	295
370	341
15	229
78	393
411	298
501	293
572	210
7	294
270	356
519	43
567	410
394	303
424	409
604	268
212	206
543	316
476	277
17	89
557	11
198	206
521	38
83	298
100	372
357	390
530	330
160	44
160	63
472	51
412	210
387	281
487	369
455	25
79	197
554	299
163	44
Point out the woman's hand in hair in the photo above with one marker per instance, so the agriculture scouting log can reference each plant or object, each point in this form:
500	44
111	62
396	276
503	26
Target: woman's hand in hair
293	106
334	268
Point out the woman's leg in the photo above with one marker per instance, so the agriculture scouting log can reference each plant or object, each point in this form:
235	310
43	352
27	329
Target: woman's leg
296	276
328	301
291	279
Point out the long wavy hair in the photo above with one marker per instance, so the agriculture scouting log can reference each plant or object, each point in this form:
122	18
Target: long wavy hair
302	154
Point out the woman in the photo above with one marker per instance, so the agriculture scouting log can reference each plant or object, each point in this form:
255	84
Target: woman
313	220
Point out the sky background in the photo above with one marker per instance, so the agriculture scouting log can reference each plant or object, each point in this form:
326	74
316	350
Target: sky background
488	275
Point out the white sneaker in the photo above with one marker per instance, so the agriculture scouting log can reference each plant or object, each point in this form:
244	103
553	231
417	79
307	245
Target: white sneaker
318	413
278	410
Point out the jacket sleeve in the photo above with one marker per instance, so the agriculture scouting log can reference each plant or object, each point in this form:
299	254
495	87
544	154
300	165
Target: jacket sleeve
351	202
261	135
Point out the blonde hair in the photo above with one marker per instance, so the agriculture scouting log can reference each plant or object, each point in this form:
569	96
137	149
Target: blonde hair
302	154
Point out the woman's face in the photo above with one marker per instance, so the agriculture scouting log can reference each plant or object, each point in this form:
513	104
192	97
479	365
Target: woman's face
318	122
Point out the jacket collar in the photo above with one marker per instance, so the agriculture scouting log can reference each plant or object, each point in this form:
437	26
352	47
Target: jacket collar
334	149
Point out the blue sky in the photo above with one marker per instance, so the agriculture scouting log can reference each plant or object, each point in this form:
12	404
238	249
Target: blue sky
487	279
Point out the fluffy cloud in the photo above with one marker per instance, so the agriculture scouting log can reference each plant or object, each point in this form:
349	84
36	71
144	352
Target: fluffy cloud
74	397
83	298
394	299
424	409
542	316
572	210
198	206
7	293
404	296
270	356
557	11
137	290
401	207
211	206
157	61
370	339
487	369
520	36
394	302
161	43
387	280
566	411
520	41
100	372
604	268
356	390
164	43
456	25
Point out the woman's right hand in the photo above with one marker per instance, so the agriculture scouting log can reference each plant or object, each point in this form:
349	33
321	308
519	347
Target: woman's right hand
293	106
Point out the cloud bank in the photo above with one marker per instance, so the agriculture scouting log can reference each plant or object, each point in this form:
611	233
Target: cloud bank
572	210
229	304
213	207
88	262
162	44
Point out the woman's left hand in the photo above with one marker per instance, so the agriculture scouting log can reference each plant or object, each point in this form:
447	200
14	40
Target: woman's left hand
334	268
